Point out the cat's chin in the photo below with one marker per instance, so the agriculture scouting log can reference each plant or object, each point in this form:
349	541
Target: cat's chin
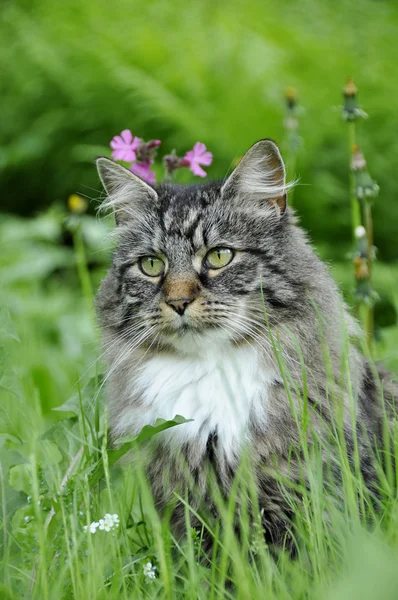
189	340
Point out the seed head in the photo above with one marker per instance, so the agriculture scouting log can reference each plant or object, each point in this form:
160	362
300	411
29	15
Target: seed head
291	97
350	89
77	204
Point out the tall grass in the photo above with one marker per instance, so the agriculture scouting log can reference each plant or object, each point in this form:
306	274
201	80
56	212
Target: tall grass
56	480
58	559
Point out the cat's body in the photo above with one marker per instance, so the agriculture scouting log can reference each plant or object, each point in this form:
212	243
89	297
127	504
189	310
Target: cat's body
214	344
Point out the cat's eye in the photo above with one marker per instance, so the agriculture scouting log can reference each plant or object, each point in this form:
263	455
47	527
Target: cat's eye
151	266
218	258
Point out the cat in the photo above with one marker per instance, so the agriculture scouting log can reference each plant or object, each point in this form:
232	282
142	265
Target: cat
213	293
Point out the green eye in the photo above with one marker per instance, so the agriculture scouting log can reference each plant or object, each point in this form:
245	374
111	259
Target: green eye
219	257
151	266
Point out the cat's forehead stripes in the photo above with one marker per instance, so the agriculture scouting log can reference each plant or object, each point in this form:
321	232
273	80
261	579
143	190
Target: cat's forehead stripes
182	215
181	219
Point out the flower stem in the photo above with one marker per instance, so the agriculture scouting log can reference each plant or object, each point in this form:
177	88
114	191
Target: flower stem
369	231
355	208
369	315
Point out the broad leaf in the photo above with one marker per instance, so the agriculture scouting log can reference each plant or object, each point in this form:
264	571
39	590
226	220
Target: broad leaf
20	478
127	443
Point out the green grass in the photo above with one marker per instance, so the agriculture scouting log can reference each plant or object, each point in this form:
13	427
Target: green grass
49	358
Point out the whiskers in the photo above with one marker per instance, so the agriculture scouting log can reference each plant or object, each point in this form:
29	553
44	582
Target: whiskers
251	328
141	334
131	340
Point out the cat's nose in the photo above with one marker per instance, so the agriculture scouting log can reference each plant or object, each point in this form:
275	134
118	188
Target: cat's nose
179	304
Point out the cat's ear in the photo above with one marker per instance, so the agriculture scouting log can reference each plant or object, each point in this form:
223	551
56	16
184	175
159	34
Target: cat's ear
126	193
259	177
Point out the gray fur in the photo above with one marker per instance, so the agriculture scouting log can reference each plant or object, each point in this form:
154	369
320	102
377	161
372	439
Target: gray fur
274	265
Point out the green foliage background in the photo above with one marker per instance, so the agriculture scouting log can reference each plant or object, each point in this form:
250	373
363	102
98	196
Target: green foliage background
75	73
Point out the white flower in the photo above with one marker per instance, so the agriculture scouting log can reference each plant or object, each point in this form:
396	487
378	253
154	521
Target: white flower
360	232
112	520
116	520
106	524
149	571
91	528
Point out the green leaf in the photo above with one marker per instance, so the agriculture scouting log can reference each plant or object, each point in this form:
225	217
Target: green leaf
10	499
85	400
9	380
66	434
20	478
9	441
23	522
48	453
127	443
149	431
7	329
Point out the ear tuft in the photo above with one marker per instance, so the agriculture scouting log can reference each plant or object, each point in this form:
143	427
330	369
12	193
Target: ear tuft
126	193
259	177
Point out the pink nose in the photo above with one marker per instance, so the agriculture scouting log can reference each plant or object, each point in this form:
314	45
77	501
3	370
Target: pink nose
179	304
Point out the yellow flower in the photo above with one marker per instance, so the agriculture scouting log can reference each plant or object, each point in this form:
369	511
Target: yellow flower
77	204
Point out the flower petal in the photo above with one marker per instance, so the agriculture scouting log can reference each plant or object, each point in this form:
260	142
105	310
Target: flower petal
117	154
135	143
127	136
144	171
189	157
117	142
206	159
199	148
197	170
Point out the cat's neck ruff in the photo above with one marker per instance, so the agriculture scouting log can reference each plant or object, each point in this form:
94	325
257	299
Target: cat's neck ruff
221	386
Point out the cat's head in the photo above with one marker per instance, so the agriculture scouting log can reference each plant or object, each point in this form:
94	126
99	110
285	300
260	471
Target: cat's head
198	263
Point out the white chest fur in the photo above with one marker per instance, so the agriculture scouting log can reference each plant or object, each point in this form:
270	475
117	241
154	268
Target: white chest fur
220	390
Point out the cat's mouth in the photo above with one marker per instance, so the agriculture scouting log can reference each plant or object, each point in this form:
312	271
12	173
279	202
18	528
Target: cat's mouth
200	321
187	327
182	328
190	338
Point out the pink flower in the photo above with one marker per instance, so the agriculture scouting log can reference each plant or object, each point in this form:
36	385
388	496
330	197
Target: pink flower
143	170
196	157
124	146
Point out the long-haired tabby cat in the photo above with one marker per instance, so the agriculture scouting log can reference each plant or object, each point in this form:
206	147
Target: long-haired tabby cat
212	288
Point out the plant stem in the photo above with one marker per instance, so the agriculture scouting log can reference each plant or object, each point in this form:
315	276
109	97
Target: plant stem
369	314
369	326
369	232
355	208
